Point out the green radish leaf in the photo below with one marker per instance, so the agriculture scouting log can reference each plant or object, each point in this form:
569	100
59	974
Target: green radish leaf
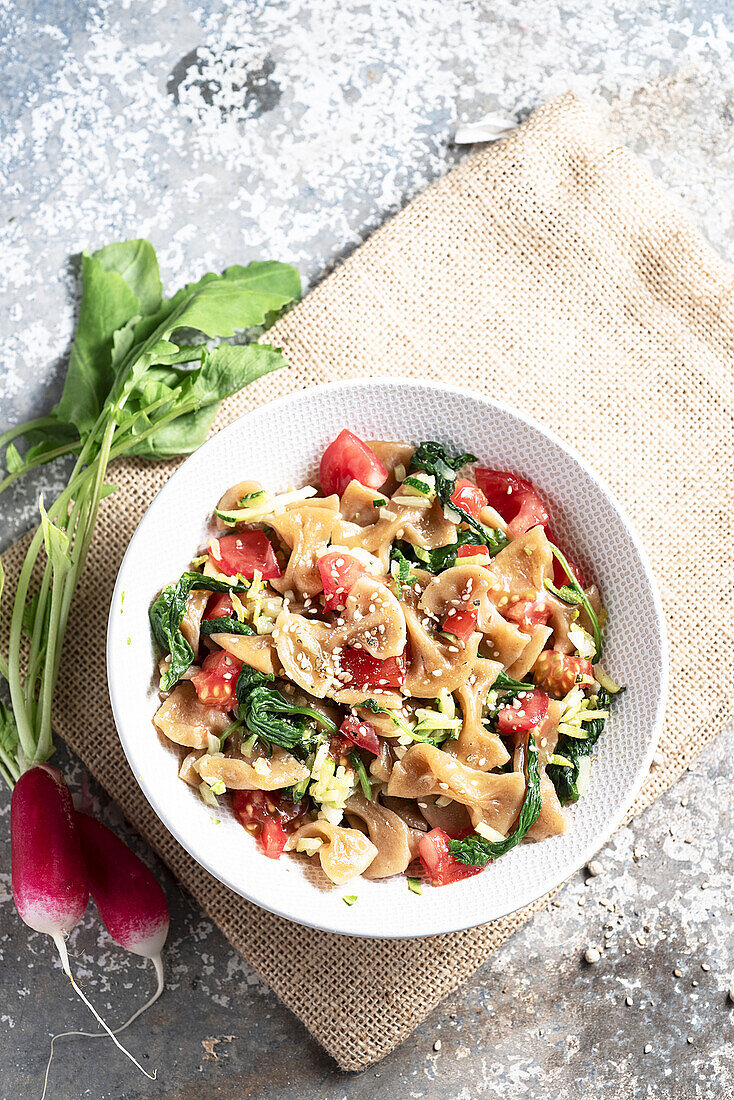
29	615
55	541
275	719
181	436
8	731
231	367
119	282
434	459
136	263
218	305
166	353
225	371
13	460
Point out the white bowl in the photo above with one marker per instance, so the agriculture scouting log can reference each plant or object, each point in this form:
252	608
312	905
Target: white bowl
280	444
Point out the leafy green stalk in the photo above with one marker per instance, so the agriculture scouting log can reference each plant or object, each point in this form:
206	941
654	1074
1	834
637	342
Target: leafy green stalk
225	624
167	613
565	779
364	780
477	851
267	713
8	747
574	595
434	459
507	683
433	561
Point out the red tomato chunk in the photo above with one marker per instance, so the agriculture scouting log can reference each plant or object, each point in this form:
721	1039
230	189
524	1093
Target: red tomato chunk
360	733
557	672
472	550
515	498
460	623
526	711
246	552
366	671
265	813
216	684
439	867
349	459
339	572
220	607
528	613
273	839
468	496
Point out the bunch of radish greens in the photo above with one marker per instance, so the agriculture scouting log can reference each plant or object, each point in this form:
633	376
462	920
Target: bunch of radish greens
146	376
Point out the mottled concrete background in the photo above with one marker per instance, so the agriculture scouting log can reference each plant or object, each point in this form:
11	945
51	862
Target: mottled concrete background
227	131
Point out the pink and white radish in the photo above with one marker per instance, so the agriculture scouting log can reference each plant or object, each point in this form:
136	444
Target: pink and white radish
50	883
130	902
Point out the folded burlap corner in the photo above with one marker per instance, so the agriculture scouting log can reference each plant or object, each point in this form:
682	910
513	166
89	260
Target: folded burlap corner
550	272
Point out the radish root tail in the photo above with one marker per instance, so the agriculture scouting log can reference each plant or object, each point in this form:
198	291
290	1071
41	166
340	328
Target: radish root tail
63	954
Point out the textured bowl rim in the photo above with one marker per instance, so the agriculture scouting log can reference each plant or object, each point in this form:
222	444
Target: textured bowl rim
457	923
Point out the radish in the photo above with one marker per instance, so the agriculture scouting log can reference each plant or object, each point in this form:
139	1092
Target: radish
50	884
130	902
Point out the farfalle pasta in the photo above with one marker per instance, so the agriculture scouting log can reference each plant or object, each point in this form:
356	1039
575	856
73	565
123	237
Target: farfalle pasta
393	672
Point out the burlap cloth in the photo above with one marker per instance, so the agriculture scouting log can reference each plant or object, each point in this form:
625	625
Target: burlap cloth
549	271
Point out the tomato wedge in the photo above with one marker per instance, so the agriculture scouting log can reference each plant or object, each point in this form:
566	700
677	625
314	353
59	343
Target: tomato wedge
528	613
366	671
560	576
515	498
265	813
220	607
468	496
473	550
461	623
360	733
439	867
349	459
558	672
339	572
272	839
216	683
526	711
246	552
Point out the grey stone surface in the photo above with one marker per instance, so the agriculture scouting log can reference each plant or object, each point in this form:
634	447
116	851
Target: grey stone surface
225	131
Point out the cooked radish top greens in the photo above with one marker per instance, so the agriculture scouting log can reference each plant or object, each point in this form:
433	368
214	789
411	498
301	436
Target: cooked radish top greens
395	672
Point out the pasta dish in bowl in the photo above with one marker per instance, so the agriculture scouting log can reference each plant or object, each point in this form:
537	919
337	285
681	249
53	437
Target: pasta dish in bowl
393	669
